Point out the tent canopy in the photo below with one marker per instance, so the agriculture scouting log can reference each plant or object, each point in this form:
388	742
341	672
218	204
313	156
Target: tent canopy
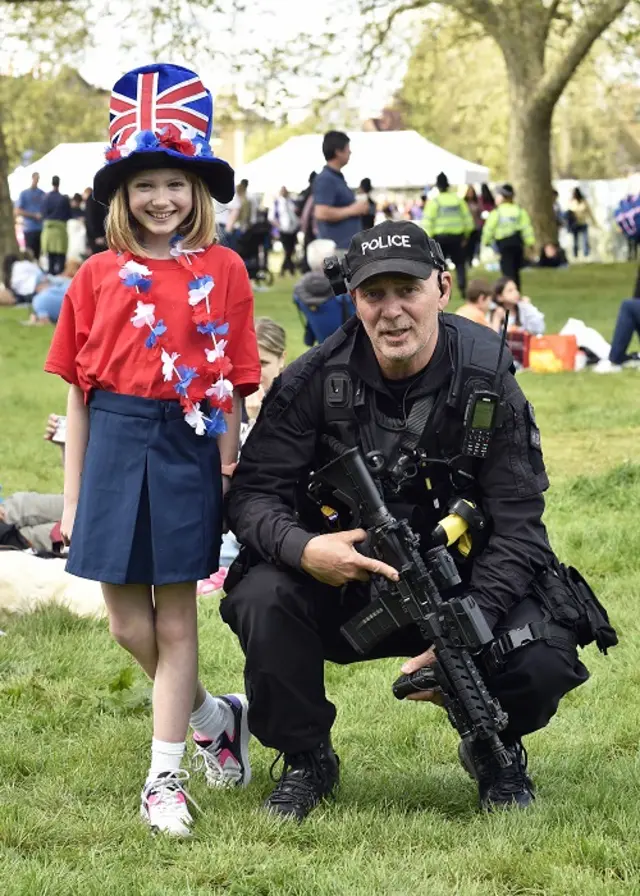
74	163
391	159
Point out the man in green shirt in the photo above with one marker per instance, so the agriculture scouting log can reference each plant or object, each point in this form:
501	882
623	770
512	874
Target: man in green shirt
509	226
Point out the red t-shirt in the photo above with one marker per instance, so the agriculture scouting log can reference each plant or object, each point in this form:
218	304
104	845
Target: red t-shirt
95	345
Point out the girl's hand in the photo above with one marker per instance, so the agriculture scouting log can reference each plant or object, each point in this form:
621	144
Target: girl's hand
68	519
52	425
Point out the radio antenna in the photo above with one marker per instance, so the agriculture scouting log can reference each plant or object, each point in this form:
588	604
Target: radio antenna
503	339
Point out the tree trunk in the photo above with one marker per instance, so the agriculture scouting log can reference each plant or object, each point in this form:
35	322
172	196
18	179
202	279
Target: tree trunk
530	163
8	242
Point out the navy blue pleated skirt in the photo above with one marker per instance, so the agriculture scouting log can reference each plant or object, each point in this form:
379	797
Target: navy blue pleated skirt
150	506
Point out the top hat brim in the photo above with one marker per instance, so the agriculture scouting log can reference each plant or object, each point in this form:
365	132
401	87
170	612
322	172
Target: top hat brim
217	174
420	269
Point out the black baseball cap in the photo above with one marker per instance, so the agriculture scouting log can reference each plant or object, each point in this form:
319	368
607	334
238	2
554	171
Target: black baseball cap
507	191
393	247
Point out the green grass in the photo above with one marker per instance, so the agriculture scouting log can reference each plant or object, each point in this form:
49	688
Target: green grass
72	754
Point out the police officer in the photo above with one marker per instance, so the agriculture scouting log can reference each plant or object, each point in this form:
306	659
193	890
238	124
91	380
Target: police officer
296	585
448	220
509	226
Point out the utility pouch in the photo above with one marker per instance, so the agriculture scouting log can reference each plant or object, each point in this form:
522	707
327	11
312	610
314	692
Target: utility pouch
570	601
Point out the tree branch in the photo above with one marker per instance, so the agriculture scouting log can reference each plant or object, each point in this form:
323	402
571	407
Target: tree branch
556	78
552	10
482	11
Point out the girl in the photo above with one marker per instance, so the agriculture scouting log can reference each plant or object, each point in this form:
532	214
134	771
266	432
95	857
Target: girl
522	313
156	340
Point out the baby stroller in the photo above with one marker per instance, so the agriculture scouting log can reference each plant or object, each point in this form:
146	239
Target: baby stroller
253	248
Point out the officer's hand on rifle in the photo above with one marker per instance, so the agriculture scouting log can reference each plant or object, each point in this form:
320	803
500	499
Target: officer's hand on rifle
427	658
333	559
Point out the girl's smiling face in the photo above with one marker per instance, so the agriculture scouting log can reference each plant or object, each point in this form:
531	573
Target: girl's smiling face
160	200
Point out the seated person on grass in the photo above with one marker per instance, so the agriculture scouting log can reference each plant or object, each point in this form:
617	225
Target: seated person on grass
627	323
36	515
552	256
477	305
50	292
522	313
24	276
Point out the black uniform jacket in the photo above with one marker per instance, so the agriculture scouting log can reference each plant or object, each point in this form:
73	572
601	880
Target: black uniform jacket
282	449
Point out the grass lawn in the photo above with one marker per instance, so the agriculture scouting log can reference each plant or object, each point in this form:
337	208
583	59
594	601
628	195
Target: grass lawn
73	753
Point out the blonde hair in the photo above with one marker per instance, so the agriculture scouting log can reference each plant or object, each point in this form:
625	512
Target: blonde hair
198	230
271	336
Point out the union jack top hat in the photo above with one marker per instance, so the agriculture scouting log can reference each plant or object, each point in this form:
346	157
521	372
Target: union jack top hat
160	117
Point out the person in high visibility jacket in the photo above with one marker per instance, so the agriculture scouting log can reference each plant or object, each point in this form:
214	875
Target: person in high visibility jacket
509	226
448	220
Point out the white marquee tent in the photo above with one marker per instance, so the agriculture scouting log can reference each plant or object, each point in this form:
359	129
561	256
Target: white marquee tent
391	159
74	163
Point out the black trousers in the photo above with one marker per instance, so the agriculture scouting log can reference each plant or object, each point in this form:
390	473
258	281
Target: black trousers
473	245
511	260
288	241
32	241
288	625
56	262
452	248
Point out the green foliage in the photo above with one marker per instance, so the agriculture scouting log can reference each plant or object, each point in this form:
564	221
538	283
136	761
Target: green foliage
76	731
468	113
455	92
39	112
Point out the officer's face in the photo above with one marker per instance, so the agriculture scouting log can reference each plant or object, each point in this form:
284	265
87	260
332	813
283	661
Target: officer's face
400	317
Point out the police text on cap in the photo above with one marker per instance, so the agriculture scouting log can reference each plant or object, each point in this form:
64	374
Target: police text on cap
385	242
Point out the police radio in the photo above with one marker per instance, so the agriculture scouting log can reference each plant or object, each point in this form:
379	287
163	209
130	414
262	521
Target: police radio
481	409
480	414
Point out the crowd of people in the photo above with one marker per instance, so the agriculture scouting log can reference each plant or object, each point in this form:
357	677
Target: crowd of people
463	224
57	233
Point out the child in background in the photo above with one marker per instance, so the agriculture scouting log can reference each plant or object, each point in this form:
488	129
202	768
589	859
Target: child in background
522	313
478	304
272	350
156	340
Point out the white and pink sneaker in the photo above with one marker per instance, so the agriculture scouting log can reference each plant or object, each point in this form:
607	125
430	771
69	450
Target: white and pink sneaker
163	804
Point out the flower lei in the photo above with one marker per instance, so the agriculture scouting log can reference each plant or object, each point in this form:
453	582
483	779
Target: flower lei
216	365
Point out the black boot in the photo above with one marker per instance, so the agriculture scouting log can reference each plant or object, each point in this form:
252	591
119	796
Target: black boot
307	778
498	787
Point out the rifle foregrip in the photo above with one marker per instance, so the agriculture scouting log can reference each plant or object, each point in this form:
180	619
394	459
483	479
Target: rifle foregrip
415	683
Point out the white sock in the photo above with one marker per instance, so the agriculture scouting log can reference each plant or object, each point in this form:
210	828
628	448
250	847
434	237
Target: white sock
165	757
210	719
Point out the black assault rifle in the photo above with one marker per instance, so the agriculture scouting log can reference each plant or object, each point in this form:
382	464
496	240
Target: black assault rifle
454	628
